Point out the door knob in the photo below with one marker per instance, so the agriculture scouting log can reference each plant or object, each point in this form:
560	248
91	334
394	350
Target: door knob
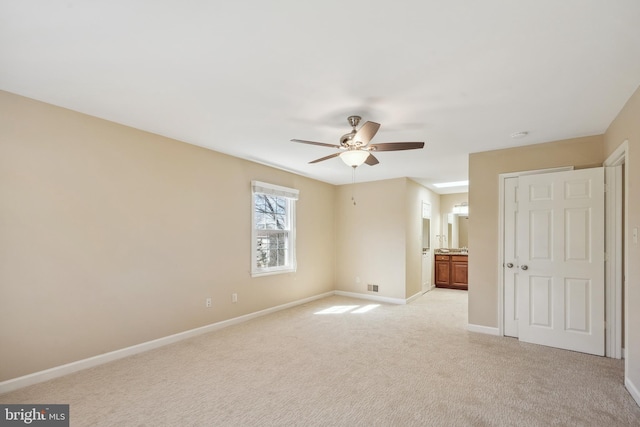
524	267
509	265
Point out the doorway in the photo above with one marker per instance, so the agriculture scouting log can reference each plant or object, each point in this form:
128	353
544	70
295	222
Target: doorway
427	259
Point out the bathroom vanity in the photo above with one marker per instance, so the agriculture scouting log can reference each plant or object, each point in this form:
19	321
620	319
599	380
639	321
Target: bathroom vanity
451	270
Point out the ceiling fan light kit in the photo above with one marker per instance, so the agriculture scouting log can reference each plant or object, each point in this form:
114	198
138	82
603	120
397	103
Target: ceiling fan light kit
354	158
355	146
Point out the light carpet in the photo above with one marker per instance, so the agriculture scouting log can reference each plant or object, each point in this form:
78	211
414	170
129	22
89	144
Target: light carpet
342	362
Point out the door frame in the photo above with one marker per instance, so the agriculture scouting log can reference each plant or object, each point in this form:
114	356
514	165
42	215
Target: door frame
426	209
615	273
501	200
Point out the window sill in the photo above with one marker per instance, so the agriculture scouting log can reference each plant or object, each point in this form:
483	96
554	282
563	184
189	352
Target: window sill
272	272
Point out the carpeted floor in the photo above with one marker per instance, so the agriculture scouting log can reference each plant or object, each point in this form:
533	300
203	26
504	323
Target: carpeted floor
345	362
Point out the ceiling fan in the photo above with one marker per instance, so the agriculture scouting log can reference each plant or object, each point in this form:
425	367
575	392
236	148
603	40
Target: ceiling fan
355	148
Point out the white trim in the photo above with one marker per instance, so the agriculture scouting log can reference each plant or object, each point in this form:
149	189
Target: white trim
501	183
501	180
483	329
618	157
633	390
291	196
59	371
274	190
615	276
536	171
372	297
613	261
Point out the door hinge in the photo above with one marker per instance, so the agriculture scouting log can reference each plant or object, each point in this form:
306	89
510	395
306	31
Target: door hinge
606	257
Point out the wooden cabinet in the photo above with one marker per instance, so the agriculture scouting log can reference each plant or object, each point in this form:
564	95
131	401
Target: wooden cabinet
459	271
442	271
451	271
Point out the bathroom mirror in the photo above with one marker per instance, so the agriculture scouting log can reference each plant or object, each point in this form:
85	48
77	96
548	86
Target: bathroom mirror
457	230
457	226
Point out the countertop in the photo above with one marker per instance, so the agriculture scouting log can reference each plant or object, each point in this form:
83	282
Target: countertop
451	251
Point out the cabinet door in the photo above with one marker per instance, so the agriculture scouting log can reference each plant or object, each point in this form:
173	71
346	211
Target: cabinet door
442	273
459	274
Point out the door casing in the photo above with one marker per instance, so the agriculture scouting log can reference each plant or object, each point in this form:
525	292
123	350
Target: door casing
617	254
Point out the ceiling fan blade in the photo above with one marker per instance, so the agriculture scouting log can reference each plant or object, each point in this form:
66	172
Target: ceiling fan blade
396	146
322	144
371	160
366	132
330	156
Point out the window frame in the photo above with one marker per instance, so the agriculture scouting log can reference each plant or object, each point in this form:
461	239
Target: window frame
291	196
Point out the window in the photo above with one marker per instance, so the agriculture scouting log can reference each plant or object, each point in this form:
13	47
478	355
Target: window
273	237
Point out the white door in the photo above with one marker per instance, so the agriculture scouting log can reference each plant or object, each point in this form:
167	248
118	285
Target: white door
427	259
560	248
510	267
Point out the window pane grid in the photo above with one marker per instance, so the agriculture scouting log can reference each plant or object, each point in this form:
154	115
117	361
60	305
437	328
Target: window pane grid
272	249
272	233
271	212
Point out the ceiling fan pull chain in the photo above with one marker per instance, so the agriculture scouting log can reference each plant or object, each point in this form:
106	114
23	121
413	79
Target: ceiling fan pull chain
353	184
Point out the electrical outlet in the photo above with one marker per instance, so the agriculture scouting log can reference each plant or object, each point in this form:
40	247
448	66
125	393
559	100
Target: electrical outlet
375	288
234	297
207	303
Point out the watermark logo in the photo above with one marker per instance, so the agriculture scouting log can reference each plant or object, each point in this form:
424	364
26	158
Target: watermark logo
34	415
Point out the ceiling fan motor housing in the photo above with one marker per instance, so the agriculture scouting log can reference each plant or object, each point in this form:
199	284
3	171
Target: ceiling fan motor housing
346	139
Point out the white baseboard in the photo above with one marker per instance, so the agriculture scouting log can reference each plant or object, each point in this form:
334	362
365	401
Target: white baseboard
633	390
371	297
483	329
59	371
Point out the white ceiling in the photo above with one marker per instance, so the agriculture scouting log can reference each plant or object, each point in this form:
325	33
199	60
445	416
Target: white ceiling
245	77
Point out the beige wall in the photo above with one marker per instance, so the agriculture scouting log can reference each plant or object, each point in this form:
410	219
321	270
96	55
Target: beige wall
448	201
370	239
379	239
484	169
626	126
110	237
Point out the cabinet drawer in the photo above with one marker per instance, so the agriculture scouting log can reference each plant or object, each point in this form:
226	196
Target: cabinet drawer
459	258
442	257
